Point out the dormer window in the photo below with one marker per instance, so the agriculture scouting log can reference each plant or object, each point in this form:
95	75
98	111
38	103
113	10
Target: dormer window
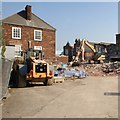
16	33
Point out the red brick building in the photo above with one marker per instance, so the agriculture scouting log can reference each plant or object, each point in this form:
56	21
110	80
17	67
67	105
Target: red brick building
63	59
25	26
68	51
118	42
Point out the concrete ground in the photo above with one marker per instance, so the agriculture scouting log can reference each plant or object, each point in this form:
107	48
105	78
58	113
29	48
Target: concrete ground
82	98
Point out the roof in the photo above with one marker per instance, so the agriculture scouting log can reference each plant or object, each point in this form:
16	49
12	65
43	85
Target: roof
68	45
20	19
104	43
118	34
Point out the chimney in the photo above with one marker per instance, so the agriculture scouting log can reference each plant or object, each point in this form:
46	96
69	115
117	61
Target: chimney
28	12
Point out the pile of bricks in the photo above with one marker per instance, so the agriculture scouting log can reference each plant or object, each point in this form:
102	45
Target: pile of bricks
110	68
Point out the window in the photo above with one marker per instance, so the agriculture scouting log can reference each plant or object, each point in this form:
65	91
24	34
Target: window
38	35
38	48
18	51
77	49
16	33
41	68
72	52
66	51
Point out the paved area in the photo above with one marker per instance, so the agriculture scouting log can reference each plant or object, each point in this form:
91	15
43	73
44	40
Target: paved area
82	98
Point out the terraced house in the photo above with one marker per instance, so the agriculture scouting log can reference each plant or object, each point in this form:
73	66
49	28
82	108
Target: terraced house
24	27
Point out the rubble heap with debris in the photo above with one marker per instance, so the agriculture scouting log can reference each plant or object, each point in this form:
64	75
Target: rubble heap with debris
111	68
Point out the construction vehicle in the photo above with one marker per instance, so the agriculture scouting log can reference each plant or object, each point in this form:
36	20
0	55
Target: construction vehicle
37	68
98	57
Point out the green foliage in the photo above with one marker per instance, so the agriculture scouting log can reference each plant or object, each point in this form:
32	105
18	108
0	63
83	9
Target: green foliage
3	51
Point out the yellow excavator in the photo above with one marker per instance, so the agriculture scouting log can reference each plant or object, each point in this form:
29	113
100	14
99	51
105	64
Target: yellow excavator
97	57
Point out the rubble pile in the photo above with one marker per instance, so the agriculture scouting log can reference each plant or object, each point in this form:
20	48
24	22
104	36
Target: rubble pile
110	68
104	69
93	69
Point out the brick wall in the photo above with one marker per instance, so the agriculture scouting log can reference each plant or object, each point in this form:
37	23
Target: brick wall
117	38
118	41
70	49
27	33
63	59
89	55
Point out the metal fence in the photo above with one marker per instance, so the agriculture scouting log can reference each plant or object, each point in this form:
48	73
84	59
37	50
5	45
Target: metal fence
0	78
6	66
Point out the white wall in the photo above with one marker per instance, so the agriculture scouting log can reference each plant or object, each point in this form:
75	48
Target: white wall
10	52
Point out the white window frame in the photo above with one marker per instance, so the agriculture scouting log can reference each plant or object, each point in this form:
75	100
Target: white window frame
38	48
14	37
40	34
18	51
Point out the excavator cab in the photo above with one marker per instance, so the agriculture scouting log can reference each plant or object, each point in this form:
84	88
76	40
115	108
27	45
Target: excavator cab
37	54
99	57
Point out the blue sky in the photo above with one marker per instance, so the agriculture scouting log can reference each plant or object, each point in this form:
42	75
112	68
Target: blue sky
96	21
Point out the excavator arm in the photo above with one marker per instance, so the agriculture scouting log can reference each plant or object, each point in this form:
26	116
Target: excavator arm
96	55
84	41
82	50
90	46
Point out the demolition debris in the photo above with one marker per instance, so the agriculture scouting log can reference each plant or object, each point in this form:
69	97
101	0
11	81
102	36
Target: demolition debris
111	68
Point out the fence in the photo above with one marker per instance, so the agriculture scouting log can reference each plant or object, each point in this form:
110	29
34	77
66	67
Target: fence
5	67
0	78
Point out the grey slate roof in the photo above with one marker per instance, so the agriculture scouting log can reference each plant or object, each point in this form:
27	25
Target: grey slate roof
20	19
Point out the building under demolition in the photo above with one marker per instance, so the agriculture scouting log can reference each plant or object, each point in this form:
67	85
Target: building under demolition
109	49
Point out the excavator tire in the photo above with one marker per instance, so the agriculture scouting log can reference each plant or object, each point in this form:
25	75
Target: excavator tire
49	82
46	81
22	81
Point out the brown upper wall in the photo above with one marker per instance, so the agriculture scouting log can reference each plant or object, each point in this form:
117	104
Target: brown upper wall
27	34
